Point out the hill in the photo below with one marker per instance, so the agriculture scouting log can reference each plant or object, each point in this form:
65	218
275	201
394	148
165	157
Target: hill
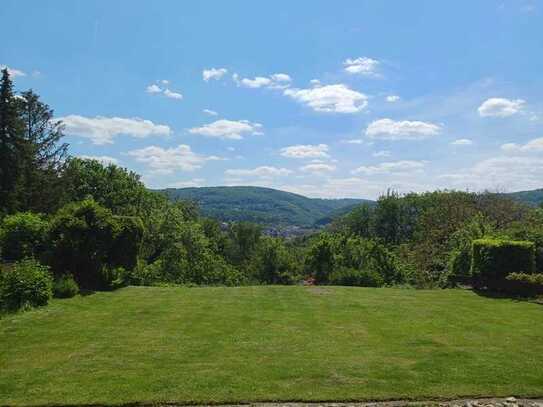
534	197
210	345
262	205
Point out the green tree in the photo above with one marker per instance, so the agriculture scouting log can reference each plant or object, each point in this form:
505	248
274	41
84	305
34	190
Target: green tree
11	127
41	156
22	235
274	263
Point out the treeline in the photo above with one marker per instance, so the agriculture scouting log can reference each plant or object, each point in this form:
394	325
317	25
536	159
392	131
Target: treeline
69	224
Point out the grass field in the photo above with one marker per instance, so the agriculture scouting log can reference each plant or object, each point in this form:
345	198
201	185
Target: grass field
270	343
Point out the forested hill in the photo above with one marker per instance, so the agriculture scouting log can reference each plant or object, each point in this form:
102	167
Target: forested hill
261	205
534	197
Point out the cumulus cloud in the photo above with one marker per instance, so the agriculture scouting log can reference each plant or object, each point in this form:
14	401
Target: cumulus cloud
388	129
462	142
195	182
397	168
500	173
330	98
210	112
383	153
12	71
104	159
260	172
305	151
362	66
167	160
153	89
318	168
213	73
275	81
533	146
173	95
102	130
500	107
228	129
392	98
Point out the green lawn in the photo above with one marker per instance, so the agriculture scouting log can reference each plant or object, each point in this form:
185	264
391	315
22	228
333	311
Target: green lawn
270	343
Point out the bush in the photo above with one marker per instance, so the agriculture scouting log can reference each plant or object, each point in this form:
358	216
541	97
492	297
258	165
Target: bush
22	235
525	284
493	260
359	278
91	243
25	284
65	287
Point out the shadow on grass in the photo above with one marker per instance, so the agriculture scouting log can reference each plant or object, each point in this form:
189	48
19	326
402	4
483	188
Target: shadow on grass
503	295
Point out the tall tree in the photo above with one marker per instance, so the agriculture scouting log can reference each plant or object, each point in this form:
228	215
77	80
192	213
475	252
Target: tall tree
11	127
42	155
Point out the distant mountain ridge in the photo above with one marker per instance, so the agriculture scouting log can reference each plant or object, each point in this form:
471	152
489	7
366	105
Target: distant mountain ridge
534	197
266	206
269	206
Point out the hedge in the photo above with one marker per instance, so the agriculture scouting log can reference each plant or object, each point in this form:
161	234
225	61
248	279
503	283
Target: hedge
493	260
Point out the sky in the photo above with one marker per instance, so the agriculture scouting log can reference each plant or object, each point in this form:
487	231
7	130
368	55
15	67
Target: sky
325	99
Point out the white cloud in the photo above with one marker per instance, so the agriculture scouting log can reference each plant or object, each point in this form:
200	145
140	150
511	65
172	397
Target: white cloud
12	71
305	151
210	112
260	172
173	95
213	73
165	82
362	66
315	83
275	81
500	107
318	168
153	89
195	182
500	173
228	129
104	159
387	129
330	98
533	146
398	168
392	98
462	142
383	153
102	130
167	160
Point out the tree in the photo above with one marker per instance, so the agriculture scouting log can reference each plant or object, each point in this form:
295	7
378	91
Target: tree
11	127
41	156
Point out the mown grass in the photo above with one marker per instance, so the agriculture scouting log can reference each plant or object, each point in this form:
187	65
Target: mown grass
216	345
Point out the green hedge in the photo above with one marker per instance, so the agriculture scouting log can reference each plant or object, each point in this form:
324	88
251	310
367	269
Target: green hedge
493	260
525	284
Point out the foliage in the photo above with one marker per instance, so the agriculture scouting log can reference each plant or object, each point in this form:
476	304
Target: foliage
525	284
353	277
22	235
493	260
65	287
85	240
25	284
274	263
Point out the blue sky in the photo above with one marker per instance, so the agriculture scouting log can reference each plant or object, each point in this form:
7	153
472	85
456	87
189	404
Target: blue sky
327	99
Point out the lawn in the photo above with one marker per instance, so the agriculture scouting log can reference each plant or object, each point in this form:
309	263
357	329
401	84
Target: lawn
205	345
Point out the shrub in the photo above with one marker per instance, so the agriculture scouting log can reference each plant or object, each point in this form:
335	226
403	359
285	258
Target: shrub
525	284
22	235
493	260
25	284
359	278
274	263
91	243
65	287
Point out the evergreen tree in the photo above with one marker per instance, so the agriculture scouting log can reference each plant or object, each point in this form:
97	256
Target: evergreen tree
41	156
11	128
